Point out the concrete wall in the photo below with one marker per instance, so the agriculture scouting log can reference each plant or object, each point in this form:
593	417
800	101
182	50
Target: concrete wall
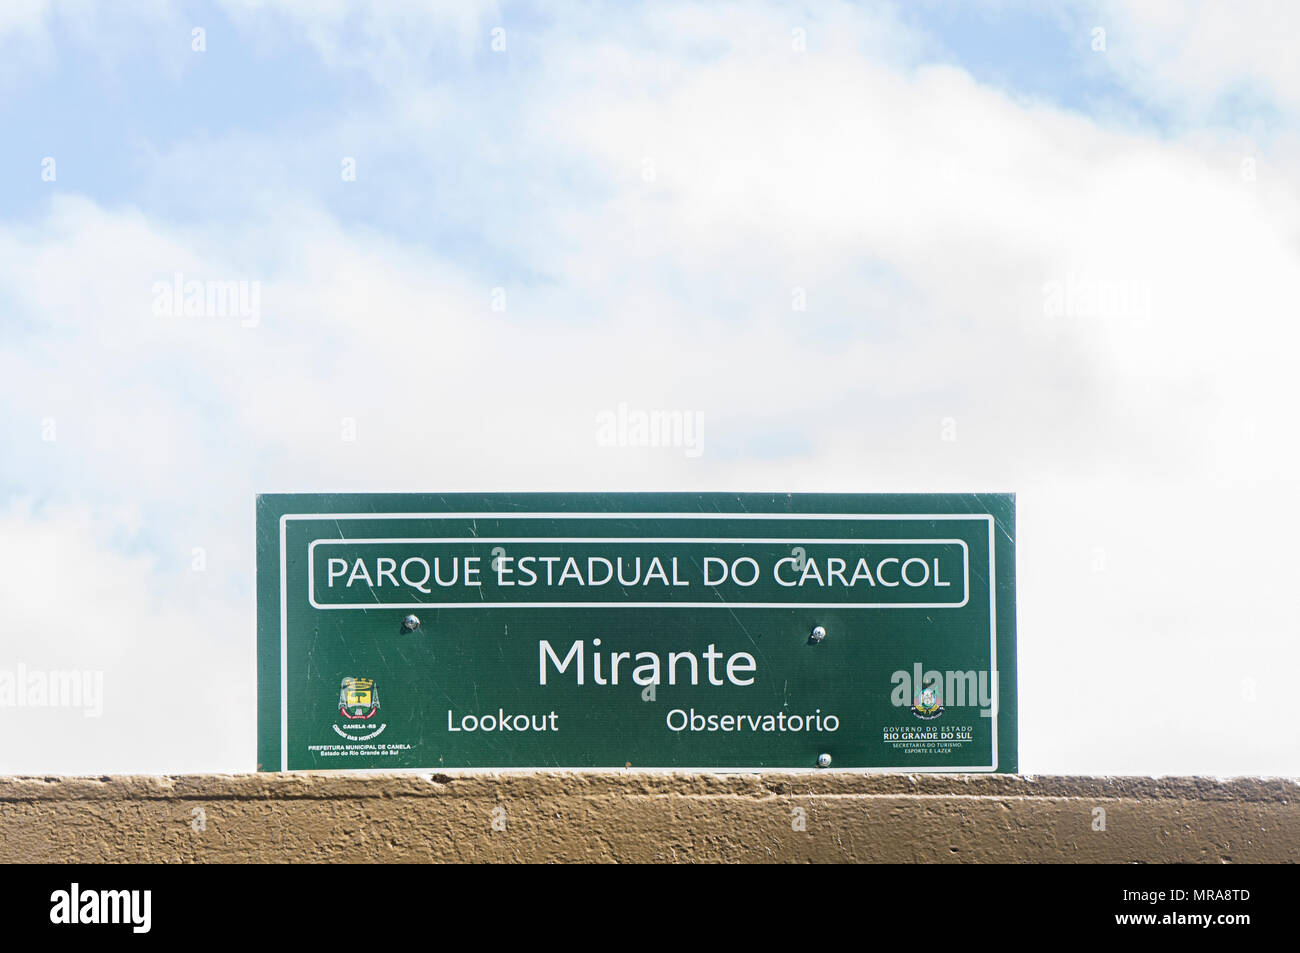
647	817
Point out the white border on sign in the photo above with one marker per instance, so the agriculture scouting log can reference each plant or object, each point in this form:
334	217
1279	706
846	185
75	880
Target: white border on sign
993	624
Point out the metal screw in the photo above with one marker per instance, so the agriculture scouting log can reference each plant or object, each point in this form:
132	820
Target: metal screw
411	623
818	633
823	761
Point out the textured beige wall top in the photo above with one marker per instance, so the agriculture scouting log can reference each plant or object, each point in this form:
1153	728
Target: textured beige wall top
647	817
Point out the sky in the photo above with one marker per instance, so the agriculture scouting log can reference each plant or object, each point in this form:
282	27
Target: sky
995	246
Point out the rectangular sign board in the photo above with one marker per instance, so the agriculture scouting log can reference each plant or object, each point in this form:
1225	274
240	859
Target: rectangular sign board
696	631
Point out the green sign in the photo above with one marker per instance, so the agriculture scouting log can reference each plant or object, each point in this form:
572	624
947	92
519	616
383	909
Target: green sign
704	631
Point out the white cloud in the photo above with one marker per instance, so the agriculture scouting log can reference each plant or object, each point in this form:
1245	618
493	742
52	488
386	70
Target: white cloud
396	43
1192	54
23	15
170	645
